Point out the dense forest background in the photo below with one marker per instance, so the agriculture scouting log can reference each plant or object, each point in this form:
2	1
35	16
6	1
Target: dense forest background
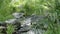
49	8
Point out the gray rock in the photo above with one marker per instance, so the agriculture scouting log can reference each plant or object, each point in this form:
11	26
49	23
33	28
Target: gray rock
11	21
25	26
2	27
36	18
33	31
15	23
26	22
29	32
3	24
18	15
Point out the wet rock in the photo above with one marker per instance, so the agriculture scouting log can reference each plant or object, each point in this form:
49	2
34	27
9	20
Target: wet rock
33	31
26	22
18	15
36	18
29	32
2	24
11	21
15	23
25	26
3	29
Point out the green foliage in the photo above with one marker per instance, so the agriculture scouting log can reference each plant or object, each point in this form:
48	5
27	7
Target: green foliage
5	9
10	29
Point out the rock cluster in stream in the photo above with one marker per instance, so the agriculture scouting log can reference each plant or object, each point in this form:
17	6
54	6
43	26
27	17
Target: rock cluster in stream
23	24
